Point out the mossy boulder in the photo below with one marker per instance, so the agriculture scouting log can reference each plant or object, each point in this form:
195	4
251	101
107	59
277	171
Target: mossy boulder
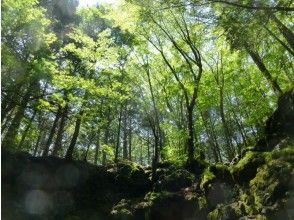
222	172
174	180
227	212
173	206
285	154
196	166
280	124
122	210
207	178
271	183
131	177
246	168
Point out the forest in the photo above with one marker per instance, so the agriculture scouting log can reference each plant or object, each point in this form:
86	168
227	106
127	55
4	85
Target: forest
147	109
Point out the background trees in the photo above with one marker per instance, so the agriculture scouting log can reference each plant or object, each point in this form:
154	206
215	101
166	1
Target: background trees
172	81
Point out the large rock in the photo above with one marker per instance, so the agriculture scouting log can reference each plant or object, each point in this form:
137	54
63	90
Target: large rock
280	125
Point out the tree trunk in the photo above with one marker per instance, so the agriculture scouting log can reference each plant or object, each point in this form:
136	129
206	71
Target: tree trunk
9	139
279	40
130	139
37	144
58	142
258	61
97	148
118	134
52	132
87	151
26	130
229	147
211	137
69	152
7	121
106	139
190	140
125	137
287	33
8	103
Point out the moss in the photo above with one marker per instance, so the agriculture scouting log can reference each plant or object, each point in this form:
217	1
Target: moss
222	172
214	215
270	183
196	166
246	168
260	217
206	178
174	180
226	212
155	196
122	209
202	202
285	154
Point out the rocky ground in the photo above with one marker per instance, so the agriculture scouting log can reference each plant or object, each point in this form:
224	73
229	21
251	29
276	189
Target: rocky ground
258	186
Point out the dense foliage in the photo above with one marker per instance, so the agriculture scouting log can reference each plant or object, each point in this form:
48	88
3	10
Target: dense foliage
144	81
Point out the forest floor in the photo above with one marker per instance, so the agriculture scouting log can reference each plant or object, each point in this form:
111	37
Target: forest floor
258	186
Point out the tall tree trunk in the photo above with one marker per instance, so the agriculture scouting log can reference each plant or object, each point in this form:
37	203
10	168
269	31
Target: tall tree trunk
130	139
10	137
211	137
118	134
229	147
7	122
156	125
27	130
190	140
148	150
279	40
97	148
36	147
106	138
125	136
8	103
52	132
69	152
58	142
287	33
240	127
87	149
258	61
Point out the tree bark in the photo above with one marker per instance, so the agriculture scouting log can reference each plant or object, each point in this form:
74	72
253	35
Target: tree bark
27	130
130	139
69	152
118	134
58	142
125	136
258	61
97	148
286	32
190	140
10	137
52	132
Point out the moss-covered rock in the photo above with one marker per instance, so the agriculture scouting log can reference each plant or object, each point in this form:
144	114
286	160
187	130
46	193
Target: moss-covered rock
285	154
271	183
222	172
196	166
174	180
207	178
227	212
246	168
173	206
122	210
131	177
